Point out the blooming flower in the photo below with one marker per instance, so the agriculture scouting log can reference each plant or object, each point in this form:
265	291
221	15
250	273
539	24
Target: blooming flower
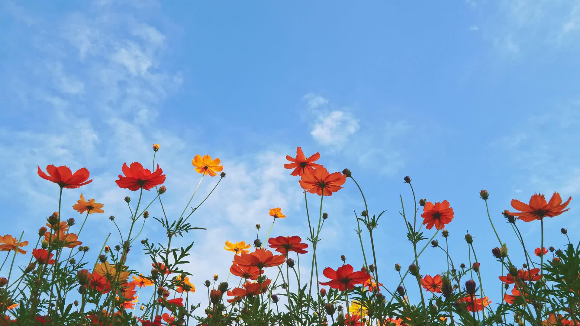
206	165
277	213
64	177
512	298
437	214
88	206
62	226
8	243
285	244
137	177
474	304
160	267
260	258
432	284
540	252
109	271
238	247
69	240
539	208
344	278
524	275
356	308
42	257
141	281
301	164
321	182
247	272
249	288
371	285
182	285
352	320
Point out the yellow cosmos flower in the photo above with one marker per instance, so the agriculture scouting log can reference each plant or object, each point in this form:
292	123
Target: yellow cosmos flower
356	308
88	206
238	247
277	213
108	271
206	165
183	286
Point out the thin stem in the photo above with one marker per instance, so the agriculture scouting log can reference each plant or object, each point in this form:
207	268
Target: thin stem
190	199
268	235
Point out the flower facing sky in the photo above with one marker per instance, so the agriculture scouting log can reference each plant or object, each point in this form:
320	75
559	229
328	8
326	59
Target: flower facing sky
277	213
206	165
64	177
137	177
432	284
438	214
301	164
88	206
538	208
260	258
344	278
540	252
238	247
247	272
321	182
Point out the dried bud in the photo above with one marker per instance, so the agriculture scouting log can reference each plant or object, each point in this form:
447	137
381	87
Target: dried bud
324	216
413	269
257	243
330	308
155	147
223	286
496	252
3	281
446	287
275	298
290	262
323	292
422	201
511	219
470	287
70	221
476	267
564	231
162	190
42	231
128	199
435	243
401	290
445	233
484	194
107	248
364	213
407	179
145	214
347	173
343	258
222	175
30	268
469	238
207	283
397	267
103	258
112	218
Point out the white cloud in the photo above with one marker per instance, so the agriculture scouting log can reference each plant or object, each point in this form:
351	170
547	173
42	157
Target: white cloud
334	128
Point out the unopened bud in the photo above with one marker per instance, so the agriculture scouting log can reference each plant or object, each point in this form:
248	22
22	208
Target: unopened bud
107	248
215	296
476	267
446	287
413	269
275	298
215	277
364	213
127	199
343	258
503	251
117	247
70	221
324	216
397	267
513	271
29	268
222	175
258	226
323	292
372	268
223	286
103	258
3	281
564	231
407	179
484	194
257	243
290	262
162	190
112	218
155	147
42	231
207	283
551	249
73	261
401	290
435	243
462	265
145	214
422	201
469	238
330	308
53	219
556	260
496	252
470	287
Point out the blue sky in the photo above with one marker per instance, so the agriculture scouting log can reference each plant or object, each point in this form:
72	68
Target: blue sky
459	95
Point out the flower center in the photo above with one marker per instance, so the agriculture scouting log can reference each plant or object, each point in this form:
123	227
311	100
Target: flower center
322	184
437	215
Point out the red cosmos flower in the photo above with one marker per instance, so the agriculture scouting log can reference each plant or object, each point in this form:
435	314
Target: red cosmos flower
168	319
432	284
540	252
525	275
247	272
321	182
64	177
260	258
301	164
353	320
539	208
99	283
474	304
155	322
344	278
285	244
249	288
41	256
137	177
437	215
177	301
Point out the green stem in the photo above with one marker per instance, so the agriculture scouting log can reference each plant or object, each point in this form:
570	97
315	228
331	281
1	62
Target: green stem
190	199
268	235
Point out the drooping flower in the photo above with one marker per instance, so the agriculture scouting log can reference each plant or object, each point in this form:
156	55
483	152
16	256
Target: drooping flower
277	213
69	240
238	247
321	182
88	206
142	281
9	243
260	258
344	278
538	208
438	214
301	164
64	177
137	177
247	272
42	257
432	284
540	252
524	275
206	165
284	244
476	304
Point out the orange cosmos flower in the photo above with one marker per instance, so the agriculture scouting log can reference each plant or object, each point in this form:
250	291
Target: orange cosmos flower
238	247
160	267
353	320
432	284
69	240
277	213
394	322
62	226
524	275
474	304
137	177
371	285
247	272
344	278
285	244
9	243
301	164
64	177
109	271
539	208
88	206
249	288
540	252
206	165
321	182
260	258
437	215
141	281
183	284
512	298
554	320
42	257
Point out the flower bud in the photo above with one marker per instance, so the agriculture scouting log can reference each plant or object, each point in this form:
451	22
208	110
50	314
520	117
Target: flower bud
407	179
343	258
484	194
76	303
347	173
53	219
435	243
364	269
215	277
70	221
145	214
496	252
72	261
413	269
3	281
144	241
207	283
564	231
275	298
42	231
117	247
215	296
469	238
290	262
462	265
258	226
222	175
257	243
162	190
44	244
323	292
422	201
103	258
330	308
551	249
128	199
160	290
29	268
154	273
476	267
223	286
155	147
556	260
112	218
107	248
445	233
503	251
470	287
559	252
446	287
83	276
364	213
372	268
513	271
401	290
324	216
397	267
